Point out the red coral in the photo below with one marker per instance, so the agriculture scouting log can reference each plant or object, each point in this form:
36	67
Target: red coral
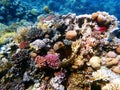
101	29
23	44
52	61
40	61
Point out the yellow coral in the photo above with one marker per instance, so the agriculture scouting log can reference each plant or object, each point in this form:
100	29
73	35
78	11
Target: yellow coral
6	36
42	26
20	35
34	11
46	9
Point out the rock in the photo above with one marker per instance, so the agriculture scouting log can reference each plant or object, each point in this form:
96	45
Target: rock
116	69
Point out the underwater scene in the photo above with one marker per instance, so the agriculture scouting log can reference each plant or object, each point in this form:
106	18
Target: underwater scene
59	44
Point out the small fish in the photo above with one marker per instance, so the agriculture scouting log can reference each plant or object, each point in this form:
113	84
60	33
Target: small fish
115	33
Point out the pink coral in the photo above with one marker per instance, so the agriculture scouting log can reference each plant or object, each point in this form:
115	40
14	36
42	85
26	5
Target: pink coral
40	61
111	54
52	61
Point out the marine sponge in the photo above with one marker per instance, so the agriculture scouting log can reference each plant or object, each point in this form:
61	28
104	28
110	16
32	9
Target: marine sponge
52	61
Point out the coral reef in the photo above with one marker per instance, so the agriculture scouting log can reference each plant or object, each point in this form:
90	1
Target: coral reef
62	52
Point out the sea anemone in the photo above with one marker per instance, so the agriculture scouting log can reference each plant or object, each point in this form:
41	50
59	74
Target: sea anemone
52	61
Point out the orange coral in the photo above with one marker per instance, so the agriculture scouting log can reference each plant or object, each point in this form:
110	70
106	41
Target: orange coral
23	44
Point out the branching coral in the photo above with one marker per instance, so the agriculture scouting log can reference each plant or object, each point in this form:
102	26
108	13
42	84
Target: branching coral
21	59
33	34
40	61
75	50
75	81
52	61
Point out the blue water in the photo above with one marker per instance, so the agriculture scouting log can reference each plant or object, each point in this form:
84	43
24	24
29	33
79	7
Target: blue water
15	10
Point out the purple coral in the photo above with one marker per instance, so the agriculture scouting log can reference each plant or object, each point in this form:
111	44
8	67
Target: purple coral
38	44
56	81
52	61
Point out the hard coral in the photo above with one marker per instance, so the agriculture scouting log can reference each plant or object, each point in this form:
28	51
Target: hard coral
21	55
21	34
40	61
37	44
21	61
71	35
23	44
5	37
56	81
75	81
33	34
52	61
